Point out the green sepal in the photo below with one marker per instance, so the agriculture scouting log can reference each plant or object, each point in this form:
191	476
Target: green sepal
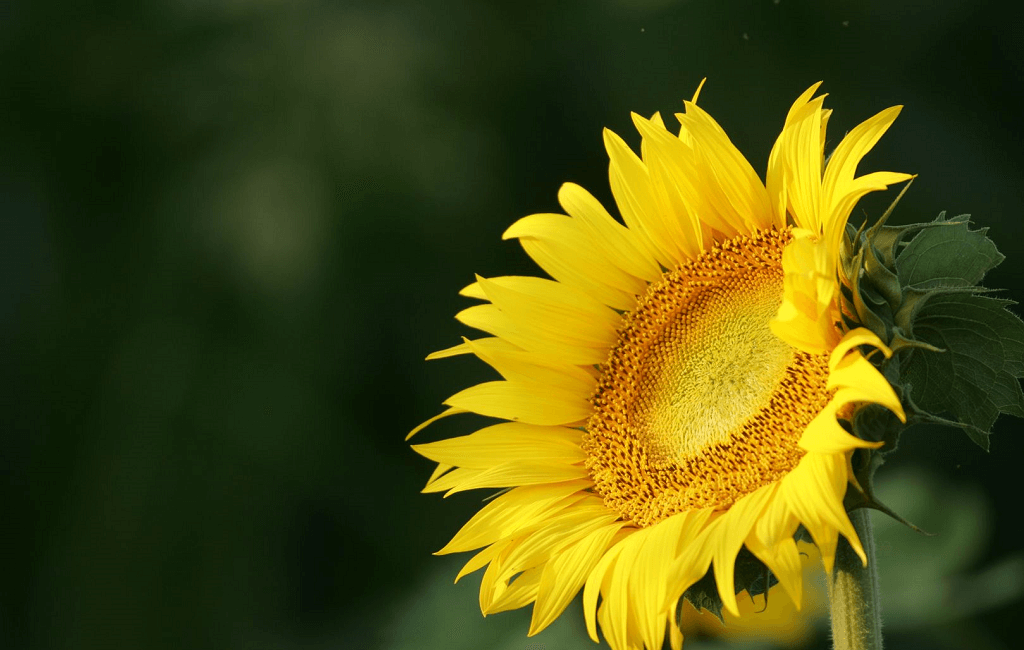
883	426
703	594
803	535
751	576
958	354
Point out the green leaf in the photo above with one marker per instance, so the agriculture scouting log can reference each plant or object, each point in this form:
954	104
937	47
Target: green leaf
975	379
948	254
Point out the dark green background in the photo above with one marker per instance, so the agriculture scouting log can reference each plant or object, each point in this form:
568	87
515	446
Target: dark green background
232	230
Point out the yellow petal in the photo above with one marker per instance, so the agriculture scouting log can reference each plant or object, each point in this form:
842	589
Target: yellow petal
519	293
444	414
565	574
731	187
842	165
524	401
824	434
559	246
489	318
451	479
675	637
778	521
618	243
784	561
731	530
865	384
516	510
516	364
438	471
847	195
855	338
813	492
557	533
641	207
675	181
507	442
481	559
794	165
553	309
520	593
453	351
650	590
777	177
807	316
647	589
517	473
597	582
491	588
617	597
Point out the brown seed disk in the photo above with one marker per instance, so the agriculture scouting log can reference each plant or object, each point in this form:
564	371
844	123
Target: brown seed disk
699	403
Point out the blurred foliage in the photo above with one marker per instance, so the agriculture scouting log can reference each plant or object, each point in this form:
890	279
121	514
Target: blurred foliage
232	230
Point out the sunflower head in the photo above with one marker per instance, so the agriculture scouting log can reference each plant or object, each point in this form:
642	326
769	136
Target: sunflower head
676	400
682	419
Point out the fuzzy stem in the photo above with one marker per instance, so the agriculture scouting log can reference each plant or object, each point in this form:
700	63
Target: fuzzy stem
853	592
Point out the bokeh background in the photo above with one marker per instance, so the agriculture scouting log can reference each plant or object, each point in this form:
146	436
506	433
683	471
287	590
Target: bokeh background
231	231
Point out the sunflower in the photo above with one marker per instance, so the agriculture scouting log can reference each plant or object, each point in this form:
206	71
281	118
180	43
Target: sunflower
676	392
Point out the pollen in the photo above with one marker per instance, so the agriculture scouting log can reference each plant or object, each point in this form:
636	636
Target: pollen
699	402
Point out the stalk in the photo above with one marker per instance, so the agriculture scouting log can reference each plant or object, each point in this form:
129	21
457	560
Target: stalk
853	592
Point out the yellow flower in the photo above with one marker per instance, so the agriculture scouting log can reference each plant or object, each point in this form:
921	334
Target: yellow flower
674	393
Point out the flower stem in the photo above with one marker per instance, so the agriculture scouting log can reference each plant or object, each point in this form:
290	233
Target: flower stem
853	592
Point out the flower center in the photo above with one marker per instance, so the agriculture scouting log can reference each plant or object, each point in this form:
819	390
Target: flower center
699	403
